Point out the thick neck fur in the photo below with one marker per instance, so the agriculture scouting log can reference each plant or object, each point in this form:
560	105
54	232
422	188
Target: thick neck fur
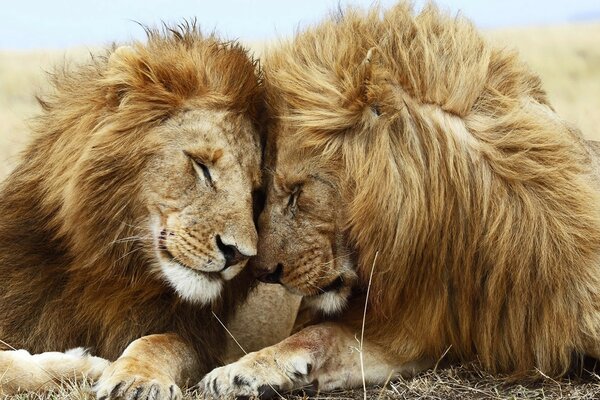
68	251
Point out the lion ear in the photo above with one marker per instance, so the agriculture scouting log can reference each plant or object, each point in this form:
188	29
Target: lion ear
366	84
121	74
122	55
369	57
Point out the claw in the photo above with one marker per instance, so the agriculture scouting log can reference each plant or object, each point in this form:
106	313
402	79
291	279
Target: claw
193	389
268	391
154	392
136	394
215	387
115	391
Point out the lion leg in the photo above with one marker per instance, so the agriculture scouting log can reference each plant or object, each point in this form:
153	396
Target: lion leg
322	357
24	372
271	312
152	367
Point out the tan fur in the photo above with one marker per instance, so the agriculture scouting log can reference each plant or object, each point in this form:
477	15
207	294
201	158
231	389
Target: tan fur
414	143
22	371
110	229
265	318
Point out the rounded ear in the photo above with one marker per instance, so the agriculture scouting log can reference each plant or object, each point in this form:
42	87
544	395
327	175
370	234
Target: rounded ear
120	72
368	57
366	80
121	56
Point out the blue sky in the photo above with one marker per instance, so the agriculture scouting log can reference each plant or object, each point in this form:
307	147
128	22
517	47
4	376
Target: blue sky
33	24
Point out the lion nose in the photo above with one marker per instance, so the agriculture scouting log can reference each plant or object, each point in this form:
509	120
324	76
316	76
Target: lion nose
231	253
272	277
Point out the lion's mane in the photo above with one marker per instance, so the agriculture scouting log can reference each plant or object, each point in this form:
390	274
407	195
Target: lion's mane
65	281
481	205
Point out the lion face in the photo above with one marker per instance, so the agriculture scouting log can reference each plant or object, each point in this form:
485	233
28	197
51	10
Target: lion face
199	190
302	245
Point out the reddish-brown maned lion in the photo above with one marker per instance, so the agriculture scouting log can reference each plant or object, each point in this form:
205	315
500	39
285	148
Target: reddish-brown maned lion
405	146
130	217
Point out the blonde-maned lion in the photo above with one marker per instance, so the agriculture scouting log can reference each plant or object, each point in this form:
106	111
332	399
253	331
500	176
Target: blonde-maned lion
129	221
402	145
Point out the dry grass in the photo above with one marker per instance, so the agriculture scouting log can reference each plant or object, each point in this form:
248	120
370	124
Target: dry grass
22	76
453	383
568	60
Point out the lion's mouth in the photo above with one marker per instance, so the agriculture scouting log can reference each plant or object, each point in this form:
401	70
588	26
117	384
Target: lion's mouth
169	257
190	284
333	287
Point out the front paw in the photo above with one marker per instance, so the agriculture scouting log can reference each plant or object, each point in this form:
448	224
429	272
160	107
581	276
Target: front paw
126	379
258	375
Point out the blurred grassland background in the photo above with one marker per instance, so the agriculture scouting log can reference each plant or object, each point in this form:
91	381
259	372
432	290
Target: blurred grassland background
567	57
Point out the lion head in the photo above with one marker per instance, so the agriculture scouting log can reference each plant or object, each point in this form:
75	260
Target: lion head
163	156
303	244
198	191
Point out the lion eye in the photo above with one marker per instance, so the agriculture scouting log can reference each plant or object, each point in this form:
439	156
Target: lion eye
202	167
205	172
293	200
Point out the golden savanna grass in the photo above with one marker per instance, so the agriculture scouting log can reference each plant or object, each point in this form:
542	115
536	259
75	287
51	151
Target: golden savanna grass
568	60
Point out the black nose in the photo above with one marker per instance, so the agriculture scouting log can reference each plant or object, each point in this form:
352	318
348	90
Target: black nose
272	277
231	253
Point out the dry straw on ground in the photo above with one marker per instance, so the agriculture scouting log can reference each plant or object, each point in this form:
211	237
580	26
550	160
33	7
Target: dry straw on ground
568	60
454	383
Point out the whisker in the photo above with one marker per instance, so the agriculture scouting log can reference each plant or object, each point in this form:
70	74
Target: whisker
316	287
132	239
327	273
330	262
128	253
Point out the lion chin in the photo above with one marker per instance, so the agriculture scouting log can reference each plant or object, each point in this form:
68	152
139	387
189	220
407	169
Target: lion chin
192	286
332	299
329	303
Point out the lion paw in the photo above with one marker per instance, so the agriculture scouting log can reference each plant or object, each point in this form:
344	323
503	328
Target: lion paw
136	388
257	376
126	383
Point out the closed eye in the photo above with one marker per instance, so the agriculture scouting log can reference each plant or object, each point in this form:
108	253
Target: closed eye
200	166
293	200
205	172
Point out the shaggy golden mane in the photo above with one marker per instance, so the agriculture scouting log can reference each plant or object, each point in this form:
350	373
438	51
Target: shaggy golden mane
481	203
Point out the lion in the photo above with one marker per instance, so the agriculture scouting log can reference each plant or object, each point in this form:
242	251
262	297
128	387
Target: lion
428	201
130	220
